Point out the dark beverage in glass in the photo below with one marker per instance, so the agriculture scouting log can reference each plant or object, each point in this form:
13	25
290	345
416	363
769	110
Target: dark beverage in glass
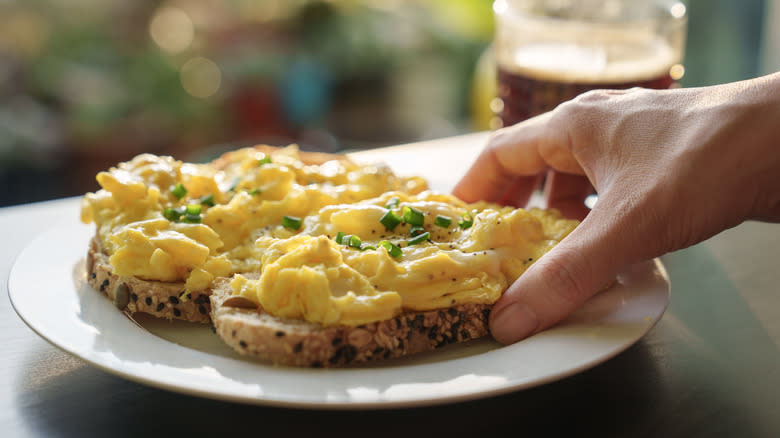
548	53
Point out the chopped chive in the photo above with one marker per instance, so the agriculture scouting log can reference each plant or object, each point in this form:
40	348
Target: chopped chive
191	218
412	216
391	248
416	231
366	247
467	220
443	221
179	191
355	242
292	222
340	238
193	209
390	220
264	160
172	214
207	200
393	202
253	192
419	239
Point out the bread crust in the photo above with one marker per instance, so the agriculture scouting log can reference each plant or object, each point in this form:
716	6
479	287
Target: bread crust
254	332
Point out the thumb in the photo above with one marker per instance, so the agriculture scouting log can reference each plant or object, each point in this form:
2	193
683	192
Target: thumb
582	264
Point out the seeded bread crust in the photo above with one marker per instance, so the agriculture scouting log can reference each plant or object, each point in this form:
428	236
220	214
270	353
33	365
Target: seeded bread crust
253	332
131	294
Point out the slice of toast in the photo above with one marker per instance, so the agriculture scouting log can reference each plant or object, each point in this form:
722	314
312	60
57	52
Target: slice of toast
253	332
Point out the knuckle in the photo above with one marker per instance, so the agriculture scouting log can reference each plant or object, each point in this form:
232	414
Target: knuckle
593	96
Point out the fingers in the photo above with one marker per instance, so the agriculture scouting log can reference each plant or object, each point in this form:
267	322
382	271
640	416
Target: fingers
510	152
561	281
567	193
519	191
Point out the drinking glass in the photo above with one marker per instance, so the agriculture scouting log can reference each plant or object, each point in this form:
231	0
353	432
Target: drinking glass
549	51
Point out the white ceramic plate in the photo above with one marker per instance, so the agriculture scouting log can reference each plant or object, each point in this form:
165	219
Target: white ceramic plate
47	286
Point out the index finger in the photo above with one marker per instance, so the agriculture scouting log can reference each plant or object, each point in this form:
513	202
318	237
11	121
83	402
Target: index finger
525	149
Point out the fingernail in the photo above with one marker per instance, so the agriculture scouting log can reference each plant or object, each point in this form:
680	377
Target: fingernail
513	323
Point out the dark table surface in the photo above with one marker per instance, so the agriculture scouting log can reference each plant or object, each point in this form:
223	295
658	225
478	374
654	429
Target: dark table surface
710	367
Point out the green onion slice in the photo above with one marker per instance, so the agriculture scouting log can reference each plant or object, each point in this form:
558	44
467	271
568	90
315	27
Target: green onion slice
179	191
292	222
443	221
467	220
207	200
172	214
355	242
264	160
191	218
416	231
419	239
391	248
253	192
366	246
412	216
393	202
340	238
390	220
193	209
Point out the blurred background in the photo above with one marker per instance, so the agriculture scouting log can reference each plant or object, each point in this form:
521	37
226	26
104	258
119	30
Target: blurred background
85	84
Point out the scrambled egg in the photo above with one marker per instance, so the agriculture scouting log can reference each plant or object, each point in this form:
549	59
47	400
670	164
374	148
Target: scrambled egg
311	276
335	243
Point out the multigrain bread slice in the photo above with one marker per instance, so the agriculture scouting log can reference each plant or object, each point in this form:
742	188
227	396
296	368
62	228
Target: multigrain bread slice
253	332
131	294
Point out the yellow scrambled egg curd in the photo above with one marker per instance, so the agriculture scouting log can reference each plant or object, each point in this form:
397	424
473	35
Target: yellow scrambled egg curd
162	219
350	265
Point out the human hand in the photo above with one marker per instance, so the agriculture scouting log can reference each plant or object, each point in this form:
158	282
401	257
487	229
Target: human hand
671	169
